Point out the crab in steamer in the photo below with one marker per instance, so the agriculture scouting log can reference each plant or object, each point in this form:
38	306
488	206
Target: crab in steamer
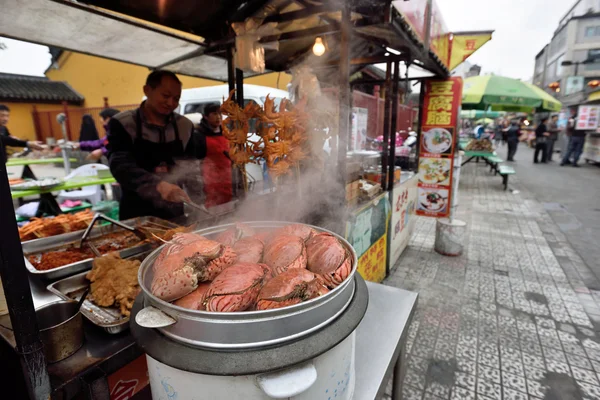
290	287
284	252
237	287
328	258
185	261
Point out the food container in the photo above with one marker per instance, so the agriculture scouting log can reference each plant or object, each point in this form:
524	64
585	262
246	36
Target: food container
54	243
109	319
61	329
241	330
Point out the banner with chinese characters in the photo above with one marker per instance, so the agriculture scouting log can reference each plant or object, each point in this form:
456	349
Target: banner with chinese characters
587	118
438	142
403	217
463	45
439	41
367	230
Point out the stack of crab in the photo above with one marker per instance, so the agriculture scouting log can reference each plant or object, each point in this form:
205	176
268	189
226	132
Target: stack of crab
245	270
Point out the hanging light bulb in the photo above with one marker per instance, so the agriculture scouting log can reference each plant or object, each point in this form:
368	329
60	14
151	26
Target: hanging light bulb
319	47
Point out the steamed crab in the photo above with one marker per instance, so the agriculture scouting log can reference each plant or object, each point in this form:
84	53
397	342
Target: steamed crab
249	249
290	287
303	231
185	261
195	300
328	258
234	233
285	252
236	288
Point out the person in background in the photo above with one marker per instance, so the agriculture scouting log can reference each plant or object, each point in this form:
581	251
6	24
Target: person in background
498	132
6	139
576	142
88	130
513	132
479	131
97	148
151	153
213	149
541	137
553	130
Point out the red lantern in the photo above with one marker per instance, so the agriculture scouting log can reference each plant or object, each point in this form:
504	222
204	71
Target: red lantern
554	85
594	84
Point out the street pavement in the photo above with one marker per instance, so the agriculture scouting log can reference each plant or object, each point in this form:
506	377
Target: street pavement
517	316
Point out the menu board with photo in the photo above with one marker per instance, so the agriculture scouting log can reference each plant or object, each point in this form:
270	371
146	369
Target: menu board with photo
587	118
438	137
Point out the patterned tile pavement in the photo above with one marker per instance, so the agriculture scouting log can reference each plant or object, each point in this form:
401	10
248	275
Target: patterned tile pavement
509	319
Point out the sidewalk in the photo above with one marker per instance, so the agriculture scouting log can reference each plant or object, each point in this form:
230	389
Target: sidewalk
509	319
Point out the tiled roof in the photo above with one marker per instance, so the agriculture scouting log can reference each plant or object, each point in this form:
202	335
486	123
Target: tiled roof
15	87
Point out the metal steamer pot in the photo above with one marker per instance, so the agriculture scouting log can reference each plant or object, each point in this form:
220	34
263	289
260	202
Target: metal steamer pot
301	352
239	330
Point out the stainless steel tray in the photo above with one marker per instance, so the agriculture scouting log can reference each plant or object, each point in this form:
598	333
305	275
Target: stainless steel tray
107	318
58	242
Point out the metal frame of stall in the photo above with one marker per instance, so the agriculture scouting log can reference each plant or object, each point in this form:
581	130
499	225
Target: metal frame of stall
12	268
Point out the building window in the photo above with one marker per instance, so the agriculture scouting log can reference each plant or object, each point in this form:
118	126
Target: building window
594	55
592	31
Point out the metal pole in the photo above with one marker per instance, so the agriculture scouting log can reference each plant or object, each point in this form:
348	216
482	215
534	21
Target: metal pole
62	120
344	94
230	69
18	297
420	120
386	125
392	163
239	87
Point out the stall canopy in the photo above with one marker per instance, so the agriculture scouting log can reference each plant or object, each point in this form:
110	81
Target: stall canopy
191	37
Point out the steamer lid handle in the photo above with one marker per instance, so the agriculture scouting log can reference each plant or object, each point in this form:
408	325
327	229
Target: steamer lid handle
152	317
289	382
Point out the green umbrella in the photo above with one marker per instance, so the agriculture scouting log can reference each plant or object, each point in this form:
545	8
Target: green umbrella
505	94
476	114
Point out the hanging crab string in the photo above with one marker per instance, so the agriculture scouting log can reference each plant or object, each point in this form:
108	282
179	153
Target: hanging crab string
282	143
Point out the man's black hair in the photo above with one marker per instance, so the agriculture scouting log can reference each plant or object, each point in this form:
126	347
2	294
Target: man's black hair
4	108
109	113
211	108
155	78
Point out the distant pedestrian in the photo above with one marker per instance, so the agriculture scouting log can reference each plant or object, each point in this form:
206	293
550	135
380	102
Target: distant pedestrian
88	129
576	141
512	139
541	135
97	148
553	129
498	132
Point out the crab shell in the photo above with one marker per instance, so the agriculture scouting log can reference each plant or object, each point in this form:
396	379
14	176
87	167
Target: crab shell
249	249
236	288
303	231
328	258
195	300
284	252
185	261
232	234
290	287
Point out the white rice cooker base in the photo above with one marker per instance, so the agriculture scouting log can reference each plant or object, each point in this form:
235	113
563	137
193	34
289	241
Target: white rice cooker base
327	377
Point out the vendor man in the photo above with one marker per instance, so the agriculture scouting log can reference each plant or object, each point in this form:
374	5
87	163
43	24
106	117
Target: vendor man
150	152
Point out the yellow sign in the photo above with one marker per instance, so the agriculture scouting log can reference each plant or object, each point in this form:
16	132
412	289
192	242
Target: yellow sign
371	265
464	45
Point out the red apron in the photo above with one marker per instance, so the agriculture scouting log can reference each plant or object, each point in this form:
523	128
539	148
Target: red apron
216	172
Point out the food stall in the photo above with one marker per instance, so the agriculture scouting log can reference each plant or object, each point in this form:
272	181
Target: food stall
110	362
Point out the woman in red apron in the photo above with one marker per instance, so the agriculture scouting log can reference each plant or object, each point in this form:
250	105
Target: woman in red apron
214	151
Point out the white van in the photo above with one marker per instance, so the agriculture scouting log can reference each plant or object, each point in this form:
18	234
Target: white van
194	100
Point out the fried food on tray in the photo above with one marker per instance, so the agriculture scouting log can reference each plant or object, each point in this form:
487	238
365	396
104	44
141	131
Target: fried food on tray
64	223
114	282
55	259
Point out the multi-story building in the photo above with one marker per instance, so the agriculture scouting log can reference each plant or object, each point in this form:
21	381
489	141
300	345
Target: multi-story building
566	65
